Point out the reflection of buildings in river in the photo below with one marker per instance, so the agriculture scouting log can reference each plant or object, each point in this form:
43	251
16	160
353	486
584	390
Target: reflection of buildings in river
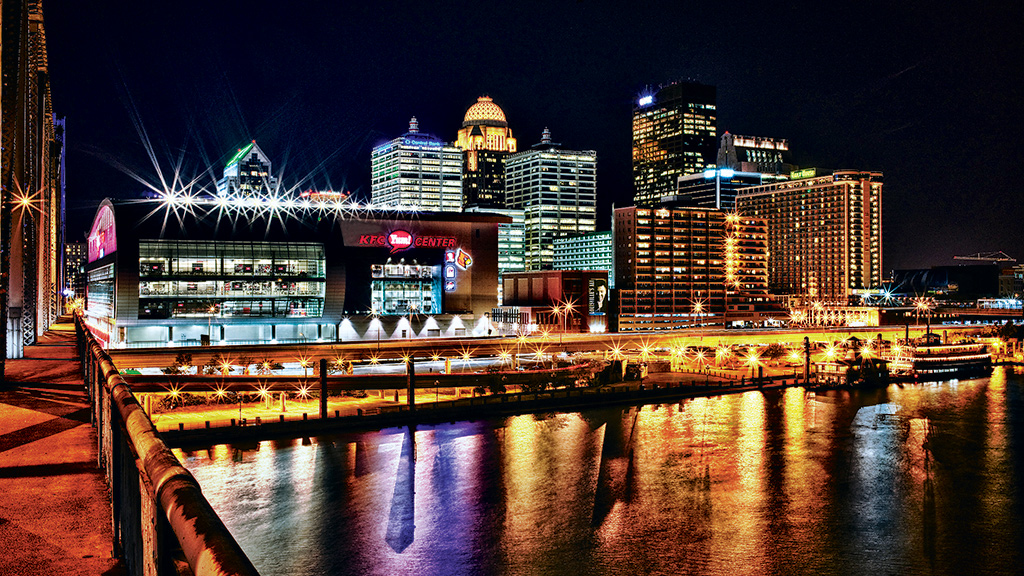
549	466
402	519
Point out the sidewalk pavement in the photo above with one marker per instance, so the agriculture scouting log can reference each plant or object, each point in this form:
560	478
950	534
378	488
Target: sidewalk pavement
54	503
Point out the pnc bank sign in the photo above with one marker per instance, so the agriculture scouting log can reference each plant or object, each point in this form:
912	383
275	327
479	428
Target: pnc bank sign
399	240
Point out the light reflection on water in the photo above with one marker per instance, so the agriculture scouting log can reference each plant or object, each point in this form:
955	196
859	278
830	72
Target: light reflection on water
923	479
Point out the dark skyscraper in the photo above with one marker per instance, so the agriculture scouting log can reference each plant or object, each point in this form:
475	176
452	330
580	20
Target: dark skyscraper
674	134
248	173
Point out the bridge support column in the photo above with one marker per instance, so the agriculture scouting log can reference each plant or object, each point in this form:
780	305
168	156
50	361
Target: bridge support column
411	383
323	388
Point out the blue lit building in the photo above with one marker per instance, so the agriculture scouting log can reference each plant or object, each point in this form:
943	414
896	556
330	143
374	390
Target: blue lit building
712	188
416	171
590	251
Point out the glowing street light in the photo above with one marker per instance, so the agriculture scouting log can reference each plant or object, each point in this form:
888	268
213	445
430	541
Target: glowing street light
753	360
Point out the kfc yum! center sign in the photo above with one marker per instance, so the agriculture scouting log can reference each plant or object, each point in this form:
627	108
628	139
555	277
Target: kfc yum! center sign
399	240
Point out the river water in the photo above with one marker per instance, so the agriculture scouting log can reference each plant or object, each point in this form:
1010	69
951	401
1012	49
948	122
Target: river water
920	479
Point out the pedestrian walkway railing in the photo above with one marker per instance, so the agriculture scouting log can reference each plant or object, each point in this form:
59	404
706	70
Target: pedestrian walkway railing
161	521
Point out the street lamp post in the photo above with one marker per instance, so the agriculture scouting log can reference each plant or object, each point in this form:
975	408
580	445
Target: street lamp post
209	322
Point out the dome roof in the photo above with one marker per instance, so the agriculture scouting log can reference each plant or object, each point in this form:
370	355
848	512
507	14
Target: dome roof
485	112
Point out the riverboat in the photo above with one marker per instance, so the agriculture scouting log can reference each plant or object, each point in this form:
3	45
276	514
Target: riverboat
939	360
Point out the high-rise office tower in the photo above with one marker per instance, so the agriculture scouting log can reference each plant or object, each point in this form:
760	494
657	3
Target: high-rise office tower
824	233
248	173
676	268
416	171
486	141
75	255
674	134
557	189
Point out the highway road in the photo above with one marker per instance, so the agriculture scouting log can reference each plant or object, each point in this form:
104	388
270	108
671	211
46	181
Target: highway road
424	349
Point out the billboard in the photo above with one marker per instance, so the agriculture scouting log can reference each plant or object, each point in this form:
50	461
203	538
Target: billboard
598	296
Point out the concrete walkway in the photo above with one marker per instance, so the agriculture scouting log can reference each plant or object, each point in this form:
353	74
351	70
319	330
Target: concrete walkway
54	503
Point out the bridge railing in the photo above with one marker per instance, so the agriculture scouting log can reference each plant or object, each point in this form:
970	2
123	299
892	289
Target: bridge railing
161	522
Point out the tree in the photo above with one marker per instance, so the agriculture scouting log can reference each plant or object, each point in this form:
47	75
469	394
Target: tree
496	385
773	351
216	364
1007	331
182	365
245	362
267	365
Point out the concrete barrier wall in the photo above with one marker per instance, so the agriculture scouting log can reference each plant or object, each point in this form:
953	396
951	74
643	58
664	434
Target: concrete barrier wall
159	514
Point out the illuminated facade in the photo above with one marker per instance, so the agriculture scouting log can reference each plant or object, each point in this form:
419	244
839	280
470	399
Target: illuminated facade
557	189
754	154
554	301
260	274
247	174
31	183
674	134
485	140
824	234
74	268
416	171
590	251
511	242
676	268
712	188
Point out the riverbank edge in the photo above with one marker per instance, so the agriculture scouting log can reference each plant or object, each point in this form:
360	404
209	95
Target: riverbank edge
468	409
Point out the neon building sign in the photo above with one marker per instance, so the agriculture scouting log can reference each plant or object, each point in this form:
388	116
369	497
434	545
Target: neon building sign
455	260
399	240
103	235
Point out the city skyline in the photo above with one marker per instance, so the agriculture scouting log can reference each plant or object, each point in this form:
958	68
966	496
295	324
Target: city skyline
322	87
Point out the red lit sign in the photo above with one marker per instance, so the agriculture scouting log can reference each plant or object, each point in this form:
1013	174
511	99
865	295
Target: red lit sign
399	240
402	240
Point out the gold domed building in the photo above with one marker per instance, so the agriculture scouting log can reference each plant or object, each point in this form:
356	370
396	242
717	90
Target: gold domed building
485	140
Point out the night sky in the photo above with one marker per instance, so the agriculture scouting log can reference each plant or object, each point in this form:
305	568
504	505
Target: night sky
926	92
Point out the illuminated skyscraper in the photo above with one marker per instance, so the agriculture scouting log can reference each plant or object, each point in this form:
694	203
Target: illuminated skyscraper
683	267
712	188
674	134
417	171
557	189
824	233
247	173
486	141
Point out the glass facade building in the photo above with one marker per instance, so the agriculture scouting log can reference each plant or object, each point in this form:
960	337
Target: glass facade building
590	251
248	272
674	134
195	279
247	174
557	190
416	171
712	188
